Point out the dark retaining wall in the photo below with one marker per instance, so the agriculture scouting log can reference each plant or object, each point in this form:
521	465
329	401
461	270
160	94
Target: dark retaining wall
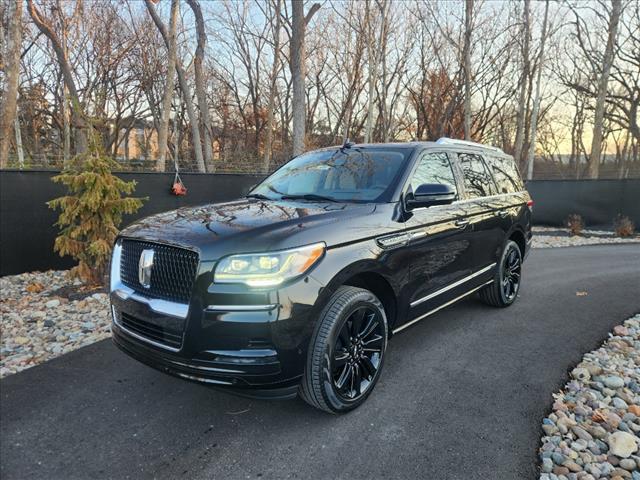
27	232
26	223
598	201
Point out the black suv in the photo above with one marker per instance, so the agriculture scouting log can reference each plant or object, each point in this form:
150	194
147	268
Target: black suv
296	288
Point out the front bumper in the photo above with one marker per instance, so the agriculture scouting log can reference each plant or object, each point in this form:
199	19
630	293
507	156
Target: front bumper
253	343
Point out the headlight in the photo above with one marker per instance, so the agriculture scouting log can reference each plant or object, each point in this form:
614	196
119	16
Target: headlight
268	269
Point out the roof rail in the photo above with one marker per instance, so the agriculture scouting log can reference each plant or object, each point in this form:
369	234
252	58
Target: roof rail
454	141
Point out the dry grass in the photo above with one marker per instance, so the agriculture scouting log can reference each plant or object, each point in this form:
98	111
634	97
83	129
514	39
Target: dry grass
624	226
575	224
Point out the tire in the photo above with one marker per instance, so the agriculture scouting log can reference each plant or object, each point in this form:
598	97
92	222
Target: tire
503	291
352	326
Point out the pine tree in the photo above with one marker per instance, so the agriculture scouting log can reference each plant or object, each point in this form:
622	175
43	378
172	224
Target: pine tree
91	212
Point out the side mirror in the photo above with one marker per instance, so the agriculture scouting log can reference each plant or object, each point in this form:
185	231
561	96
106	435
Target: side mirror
429	194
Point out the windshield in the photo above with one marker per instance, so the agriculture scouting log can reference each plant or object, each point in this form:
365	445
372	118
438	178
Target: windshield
344	175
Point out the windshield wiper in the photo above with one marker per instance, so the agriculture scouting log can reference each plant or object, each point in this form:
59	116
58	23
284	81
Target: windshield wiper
259	196
309	196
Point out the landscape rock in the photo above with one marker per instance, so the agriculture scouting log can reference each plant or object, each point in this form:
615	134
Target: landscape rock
36	326
622	444
592	431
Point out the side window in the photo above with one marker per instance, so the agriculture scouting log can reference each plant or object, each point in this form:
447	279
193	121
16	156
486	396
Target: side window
506	174
434	168
477	181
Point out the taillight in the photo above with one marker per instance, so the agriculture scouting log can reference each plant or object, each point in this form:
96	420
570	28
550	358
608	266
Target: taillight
530	205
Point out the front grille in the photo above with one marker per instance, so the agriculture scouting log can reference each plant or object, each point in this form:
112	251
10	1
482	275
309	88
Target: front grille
172	275
171	337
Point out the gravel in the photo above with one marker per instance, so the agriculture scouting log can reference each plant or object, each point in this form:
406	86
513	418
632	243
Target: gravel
44	315
549	237
593	431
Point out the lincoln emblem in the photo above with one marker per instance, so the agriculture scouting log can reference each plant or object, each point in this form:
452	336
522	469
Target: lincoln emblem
144	268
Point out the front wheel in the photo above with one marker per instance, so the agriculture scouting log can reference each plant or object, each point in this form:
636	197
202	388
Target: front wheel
346	352
506	283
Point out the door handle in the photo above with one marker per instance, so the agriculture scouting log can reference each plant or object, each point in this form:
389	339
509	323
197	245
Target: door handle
502	213
462	223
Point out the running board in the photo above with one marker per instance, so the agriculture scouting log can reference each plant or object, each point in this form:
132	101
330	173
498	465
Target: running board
415	320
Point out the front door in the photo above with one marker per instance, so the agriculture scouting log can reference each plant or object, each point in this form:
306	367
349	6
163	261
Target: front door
440	239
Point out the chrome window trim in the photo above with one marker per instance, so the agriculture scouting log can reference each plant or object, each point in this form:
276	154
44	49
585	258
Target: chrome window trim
431	312
452	285
165	307
139	337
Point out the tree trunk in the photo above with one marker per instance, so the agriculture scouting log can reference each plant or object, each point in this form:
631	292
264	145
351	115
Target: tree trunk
78	118
520	119
536	101
468	22
201	94
297	75
297	66
19	149
163	127
268	147
66	125
186	91
598	117
373	70
11	55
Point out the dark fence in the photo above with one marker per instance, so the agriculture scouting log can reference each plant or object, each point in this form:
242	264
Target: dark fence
27	232
597	201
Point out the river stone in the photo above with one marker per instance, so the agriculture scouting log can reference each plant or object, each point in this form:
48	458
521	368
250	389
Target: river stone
619	403
613	381
579	445
628	464
622	444
598	432
581	433
52	303
581	374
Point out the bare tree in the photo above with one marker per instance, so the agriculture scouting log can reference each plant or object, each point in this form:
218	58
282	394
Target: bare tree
524	82
185	88
11	55
536	101
201	94
275	68
297	65
468	27
596	143
163	127
78	116
374	55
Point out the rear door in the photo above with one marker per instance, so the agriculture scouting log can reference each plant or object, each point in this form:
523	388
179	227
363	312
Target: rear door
439	239
487	215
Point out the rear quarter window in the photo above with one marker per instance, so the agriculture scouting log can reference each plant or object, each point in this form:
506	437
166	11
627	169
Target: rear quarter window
505	172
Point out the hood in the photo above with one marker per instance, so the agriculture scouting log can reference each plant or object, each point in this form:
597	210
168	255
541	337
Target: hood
250	225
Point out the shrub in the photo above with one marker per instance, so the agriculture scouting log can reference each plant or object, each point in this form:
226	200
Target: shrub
91	212
623	226
575	224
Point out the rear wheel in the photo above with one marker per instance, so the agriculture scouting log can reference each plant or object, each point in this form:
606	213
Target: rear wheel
506	283
347	351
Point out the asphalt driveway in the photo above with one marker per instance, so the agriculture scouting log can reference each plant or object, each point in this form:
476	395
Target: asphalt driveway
462	396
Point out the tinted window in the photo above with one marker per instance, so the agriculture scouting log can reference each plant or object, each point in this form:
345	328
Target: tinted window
477	181
505	173
355	174
433	168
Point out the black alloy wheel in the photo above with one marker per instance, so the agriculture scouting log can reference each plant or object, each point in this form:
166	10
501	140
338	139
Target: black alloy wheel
358	353
507	279
346	353
511	271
